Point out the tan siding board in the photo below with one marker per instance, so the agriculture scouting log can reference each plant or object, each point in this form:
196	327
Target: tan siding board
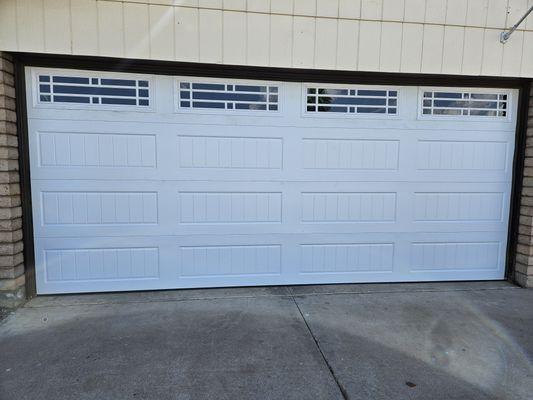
187	34
305	7
161	32
391	46
234	37
57	26
435	11
371	9
393	10
30	25
496	13
327	8
216	4
281	40
369	45
350	9
258	43
110	29
210	29
411	60
84	16
529	20
452	53
303	49
347	44
415	10
432	48
472	51
512	55
136	30
492	53
281	6
527	55
236	5
476	12
8	25
326	43
258	6
456	12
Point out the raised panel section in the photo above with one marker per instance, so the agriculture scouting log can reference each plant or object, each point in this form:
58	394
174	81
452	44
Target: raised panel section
101	264
461	155
229	207
346	258
449	207
62	149
350	154
455	256
230	152
200	261
98	208
348	207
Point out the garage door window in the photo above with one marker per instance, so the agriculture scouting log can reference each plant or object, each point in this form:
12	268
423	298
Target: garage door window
464	104
227	96
351	100
93	90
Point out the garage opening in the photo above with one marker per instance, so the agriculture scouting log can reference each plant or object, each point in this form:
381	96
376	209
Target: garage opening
155	182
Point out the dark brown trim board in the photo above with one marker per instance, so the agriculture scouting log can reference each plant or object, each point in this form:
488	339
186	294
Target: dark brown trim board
265	73
25	180
518	174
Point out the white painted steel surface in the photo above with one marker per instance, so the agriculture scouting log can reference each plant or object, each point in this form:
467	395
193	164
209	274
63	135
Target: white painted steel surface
129	200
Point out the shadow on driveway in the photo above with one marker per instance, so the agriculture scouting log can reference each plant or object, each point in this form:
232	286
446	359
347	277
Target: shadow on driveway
448	342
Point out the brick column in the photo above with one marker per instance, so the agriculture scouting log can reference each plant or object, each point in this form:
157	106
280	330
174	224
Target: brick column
12	291
523	273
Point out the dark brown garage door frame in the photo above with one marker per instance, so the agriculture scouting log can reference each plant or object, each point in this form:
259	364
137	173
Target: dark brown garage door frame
23	60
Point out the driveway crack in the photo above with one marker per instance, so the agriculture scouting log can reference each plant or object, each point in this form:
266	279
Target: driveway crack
317	344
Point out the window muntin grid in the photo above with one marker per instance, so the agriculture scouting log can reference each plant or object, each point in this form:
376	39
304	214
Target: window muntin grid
351	100
228	96
465	104
94	91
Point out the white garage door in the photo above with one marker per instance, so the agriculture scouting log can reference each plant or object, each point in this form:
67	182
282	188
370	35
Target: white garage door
152	182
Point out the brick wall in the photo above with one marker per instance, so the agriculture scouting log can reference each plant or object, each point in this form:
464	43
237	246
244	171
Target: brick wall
12	290
523	273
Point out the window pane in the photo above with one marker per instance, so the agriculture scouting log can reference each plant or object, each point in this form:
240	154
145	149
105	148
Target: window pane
94	90
230	96
465	104
353	100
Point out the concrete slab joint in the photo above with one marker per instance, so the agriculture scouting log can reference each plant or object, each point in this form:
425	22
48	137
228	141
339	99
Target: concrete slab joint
12	282
523	271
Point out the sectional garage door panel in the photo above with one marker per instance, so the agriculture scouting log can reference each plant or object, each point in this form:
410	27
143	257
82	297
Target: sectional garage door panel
152	182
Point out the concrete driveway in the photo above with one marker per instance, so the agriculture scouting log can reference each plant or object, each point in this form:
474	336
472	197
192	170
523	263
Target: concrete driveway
386	341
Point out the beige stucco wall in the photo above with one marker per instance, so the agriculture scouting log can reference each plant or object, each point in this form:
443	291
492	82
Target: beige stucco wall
428	36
